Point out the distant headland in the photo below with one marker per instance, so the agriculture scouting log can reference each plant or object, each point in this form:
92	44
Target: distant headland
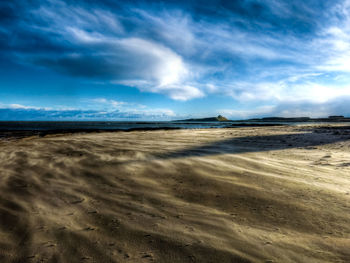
335	118
218	118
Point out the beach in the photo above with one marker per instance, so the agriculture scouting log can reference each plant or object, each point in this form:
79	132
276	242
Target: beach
251	194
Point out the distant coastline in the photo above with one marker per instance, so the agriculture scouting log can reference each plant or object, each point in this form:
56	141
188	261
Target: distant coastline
20	129
336	118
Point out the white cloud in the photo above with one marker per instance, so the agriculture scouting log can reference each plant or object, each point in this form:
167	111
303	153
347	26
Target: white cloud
294	109
174	28
179	92
114	110
85	37
59	14
152	66
20	106
162	113
172	53
248	113
129	108
166	67
109	102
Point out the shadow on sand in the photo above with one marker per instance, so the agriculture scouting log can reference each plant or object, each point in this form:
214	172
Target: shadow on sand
307	140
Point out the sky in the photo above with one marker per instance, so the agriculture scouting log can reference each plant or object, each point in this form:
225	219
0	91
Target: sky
166	60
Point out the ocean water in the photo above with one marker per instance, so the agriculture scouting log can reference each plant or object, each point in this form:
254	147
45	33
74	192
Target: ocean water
123	125
103	125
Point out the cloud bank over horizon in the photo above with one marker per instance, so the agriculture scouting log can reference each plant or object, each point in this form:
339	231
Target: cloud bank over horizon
284	58
97	109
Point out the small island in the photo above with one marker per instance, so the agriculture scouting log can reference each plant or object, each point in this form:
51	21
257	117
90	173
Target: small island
218	118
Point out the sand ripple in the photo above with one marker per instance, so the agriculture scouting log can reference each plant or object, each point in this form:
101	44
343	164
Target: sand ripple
221	195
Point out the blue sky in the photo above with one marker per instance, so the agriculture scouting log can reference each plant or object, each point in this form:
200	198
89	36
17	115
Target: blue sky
153	60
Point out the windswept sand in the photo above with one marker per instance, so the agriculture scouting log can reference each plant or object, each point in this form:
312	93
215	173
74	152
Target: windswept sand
267	194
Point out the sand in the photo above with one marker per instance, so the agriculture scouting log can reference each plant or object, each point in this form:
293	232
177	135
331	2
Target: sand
266	194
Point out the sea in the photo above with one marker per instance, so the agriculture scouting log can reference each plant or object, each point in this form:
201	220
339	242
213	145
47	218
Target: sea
111	125
105	125
126	125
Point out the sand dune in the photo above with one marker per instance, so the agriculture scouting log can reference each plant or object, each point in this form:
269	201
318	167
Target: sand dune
267	194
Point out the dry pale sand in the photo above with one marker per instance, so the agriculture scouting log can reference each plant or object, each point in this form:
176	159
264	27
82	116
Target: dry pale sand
267	194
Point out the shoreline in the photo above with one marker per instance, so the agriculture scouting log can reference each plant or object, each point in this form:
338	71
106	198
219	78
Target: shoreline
23	133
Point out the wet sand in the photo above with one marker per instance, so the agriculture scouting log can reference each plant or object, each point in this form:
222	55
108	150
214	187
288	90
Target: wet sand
264	194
